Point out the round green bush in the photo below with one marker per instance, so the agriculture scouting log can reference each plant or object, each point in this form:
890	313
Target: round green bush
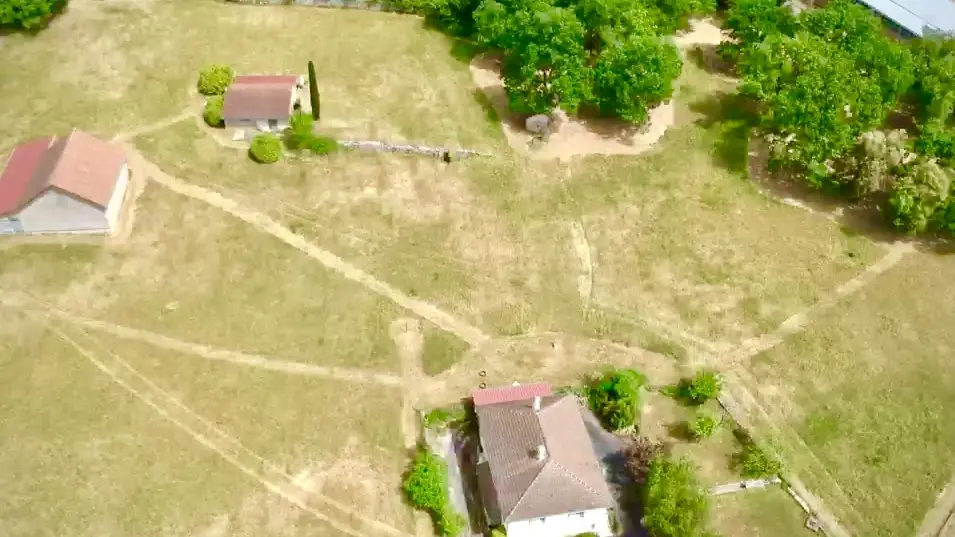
266	149
214	79
212	112
322	145
704	385
704	424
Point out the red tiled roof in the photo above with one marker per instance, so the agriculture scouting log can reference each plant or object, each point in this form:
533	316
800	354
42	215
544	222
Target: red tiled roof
78	164
506	394
15	180
257	101
290	80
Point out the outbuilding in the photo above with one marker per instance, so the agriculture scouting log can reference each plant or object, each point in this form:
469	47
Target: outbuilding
68	184
263	102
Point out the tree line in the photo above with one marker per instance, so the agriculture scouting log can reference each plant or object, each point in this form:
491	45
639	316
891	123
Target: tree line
605	57
825	84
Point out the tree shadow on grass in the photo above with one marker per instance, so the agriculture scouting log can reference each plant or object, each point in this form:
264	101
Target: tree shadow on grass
708	58
733	118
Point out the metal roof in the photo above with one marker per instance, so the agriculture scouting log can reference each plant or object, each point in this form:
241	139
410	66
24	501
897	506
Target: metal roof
921	17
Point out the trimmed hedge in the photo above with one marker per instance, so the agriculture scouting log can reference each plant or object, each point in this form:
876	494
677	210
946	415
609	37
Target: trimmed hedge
265	149
214	79
212	112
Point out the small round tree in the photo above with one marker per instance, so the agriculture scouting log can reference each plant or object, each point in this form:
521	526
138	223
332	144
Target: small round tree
755	461
704	385
214	79
617	397
703	424
266	149
212	112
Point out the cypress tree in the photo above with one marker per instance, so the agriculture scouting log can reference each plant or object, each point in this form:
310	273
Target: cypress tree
313	91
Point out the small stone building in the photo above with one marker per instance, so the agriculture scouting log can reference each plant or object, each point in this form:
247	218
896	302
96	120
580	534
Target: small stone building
262	102
68	184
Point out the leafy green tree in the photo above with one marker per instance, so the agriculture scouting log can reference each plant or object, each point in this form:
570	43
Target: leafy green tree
704	424
934	87
28	14
755	462
917	197
300	131
752	21
673	15
813	102
634	75
314	98
675	505
265	149
453	16
545	63
617	397
426	484
606	21
492	24
936	139
212	111
215	79
703	386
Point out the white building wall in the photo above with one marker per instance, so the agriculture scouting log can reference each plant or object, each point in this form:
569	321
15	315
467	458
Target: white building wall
115	204
56	212
566	525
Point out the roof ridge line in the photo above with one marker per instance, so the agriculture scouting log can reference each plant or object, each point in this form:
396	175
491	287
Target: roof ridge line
577	478
526	490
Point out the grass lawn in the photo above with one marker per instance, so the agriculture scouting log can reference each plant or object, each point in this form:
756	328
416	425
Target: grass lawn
84	457
136	62
868	387
766	512
441	350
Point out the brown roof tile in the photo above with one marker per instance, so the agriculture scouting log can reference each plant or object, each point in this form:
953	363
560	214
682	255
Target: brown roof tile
504	394
289	80
257	101
569	479
20	168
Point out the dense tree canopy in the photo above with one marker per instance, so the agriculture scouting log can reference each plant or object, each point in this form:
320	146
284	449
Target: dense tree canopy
28	14
752	21
632	75
675	505
617	397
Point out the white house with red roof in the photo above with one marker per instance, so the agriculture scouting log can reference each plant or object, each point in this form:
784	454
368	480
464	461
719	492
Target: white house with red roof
263	102
68	184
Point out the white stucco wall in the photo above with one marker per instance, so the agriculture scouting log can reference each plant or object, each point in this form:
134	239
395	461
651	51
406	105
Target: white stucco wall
56	212
115	204
566	525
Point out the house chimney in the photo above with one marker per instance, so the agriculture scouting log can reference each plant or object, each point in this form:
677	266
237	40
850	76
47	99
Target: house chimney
537	403
540	452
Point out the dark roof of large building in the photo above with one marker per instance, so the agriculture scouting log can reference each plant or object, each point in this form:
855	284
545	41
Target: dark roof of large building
78	164
260	99
529	482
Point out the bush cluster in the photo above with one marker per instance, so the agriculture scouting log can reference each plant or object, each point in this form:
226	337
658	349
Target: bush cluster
300	135
426	487
215	79
616	396
266	149
212	111
826	82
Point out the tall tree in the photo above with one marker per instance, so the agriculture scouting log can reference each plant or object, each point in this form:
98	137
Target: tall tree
634	75
313	92
674	503
752	21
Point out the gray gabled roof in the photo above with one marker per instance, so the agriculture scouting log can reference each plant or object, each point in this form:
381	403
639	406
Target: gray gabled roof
921	17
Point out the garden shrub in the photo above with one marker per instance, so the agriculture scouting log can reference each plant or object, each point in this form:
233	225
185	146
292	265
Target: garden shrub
704	385
322	145
266	149
704	424
616	396
300	134
639	454
214	79
426	487
212	112
674	503
755	461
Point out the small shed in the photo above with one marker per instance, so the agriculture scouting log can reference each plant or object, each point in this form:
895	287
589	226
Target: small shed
263	102
69	184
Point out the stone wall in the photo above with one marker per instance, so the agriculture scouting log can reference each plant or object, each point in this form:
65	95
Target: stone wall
437	152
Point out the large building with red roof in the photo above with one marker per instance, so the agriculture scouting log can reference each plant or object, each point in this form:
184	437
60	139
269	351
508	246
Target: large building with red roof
68	184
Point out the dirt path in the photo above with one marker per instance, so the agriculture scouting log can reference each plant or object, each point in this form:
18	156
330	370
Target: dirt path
468	333
229	448
223	355
585	280
798	322
939	521
125	136
409	340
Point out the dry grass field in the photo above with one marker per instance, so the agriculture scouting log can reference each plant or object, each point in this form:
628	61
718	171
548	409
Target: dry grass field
245	360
